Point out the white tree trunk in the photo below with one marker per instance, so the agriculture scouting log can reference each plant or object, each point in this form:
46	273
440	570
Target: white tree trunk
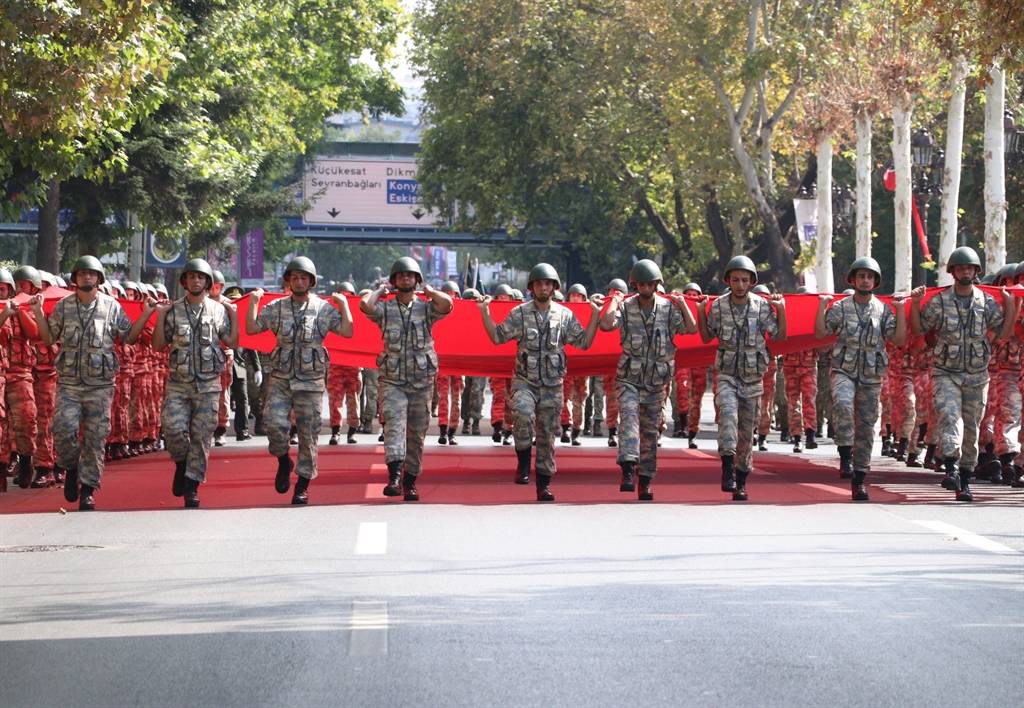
951	172
995	177
862	121
901	164
823	256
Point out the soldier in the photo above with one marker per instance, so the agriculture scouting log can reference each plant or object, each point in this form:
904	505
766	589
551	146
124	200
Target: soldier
501	412
85	324
473	392
862	324
298	369
800	370
44	392
449	390
616	285
224	403
648	325
574	389
764	421
343	387
243	361
1007	356
740	322
368	400
21	402
6	293
698	382
541	330
408	367
961	317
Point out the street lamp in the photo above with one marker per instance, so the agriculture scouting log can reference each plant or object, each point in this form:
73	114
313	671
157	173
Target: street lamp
844	206
1013	141
929	162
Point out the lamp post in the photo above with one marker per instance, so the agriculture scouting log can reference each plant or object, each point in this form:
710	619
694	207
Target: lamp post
1013	141
927	183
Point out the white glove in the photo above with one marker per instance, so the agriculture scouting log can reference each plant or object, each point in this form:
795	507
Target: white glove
258	378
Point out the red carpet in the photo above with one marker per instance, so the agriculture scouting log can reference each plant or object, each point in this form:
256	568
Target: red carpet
244	477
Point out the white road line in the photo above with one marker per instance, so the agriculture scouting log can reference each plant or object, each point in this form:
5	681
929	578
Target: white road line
971	539
372	538
827	488
368	629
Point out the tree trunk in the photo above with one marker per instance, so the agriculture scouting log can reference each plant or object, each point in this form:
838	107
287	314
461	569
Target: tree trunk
951	172
823	256
48	248
862	122
901	164
995	176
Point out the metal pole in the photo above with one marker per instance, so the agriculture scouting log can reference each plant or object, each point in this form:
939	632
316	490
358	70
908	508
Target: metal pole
135	250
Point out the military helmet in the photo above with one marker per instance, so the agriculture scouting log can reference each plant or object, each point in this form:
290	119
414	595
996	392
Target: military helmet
218	278
692	287
130	285
196	265
849	291
471	294
117	287
517	294
577	289
450	286
405	264
345	287
161	289
645	271
6	277
1019	271
27	272
543	271
47	277
740	263
988	279
865	263
303	265
558	296
504	289
60	281
1007	271
618	284
150	290
761	289
965	255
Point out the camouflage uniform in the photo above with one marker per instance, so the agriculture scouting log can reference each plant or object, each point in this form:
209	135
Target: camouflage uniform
298	368
764	423
5	337
86	366
370	399
449	389
408	367
960	376
21	401
859	363
741	362
539	374
596	399
473	401
901	393
823	401
195	333
44	391
343	387
801	372
645	367
1009	355
698	386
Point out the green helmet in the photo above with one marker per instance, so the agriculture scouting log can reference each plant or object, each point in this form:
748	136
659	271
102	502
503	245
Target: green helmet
131	285
645	271
117	287
61	282
543	271
988	279
504	289
517	294
218	278
471	294
405	264
89	263
865	263
1019	271
577	289
345	287
558	296
27	272
618	284
303	265
196	265
849	291
761	289
965	255
1006	272
450	286
6	277
692	287
740	263
161	289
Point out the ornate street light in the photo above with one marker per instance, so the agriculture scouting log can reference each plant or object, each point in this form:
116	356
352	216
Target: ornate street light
1013	140
921	146
927	182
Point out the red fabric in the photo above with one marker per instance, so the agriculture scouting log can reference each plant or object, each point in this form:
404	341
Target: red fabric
921	238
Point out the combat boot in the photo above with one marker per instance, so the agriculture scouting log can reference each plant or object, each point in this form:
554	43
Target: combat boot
192	493
689	438
465	426
496	435
982	469
845	462
796	444
544	488
901	451
677	429
565	433
25	471
576	437
293	436
335	435
178	485
929	455
628	483
912	460
351	439
284	469
85	499
258	428
523	466
684	421
43	478
58	475
740	494
951	481
830	431
761	443
71	485
886	445
394	485
644	491
1006	461
409	487
995	469
442	439
451	436
218	436
964	490
784	436
598	431
728	474
612	442
300	497
476	426
1017	477
811	442
587	429
860	492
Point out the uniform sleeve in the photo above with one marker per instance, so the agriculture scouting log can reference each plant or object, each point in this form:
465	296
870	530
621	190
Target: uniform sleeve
617	317
834	318
888	323
931	313
169	324
767	320
331	319
676	321
121	322
433	315
223	324
994	315
377	316
575	334
512	327
56	321
263	318
714	318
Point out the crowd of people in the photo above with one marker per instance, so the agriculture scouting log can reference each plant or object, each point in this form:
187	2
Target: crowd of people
85	384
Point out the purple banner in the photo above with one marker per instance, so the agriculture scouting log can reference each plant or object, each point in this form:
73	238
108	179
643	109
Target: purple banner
250	257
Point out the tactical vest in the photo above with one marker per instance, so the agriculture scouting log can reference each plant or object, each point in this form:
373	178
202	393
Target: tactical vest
648	352
300	352
1009	354
408	357
742	352
859	351
195	354
961	346
22	354
540	357
807	359
46	356
87	343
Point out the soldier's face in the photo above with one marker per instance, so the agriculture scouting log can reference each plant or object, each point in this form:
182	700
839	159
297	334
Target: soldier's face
299	282
577	297
5	291
86	280
964	274
26	286
739	281
646	290
543	290
216	289
195	283
864	281
405	282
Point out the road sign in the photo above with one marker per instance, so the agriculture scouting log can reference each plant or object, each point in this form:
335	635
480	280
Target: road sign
363	192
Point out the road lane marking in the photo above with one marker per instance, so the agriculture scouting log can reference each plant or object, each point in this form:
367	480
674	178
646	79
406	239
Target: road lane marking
368	629
827	488
971	539
372	538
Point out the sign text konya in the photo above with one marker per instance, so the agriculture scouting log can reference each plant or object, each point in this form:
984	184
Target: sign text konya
362	192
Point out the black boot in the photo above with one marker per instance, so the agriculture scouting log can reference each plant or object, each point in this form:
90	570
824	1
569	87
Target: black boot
218	435
506	437
496	435
335	434
796	444
301	495
922	430
1006	462
576	437
465	426
523	466
351	439
43	478
544	488
982	469
860	492
784	436
830	430
191	493
760	443
929	455
442	439
565	433
644	492
951	481
178	485
689	438
476	426
1016	477
684	420
71	485
845	462
85	500
284	470
912	460
964	491
995	470
293	436
741	486
811	442
598	432
677	429
451	436
25	471
901	450
394	485
628	483
886	445
728	474
612	442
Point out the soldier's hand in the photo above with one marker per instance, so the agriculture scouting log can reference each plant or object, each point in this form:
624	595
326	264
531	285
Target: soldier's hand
825	299
384	289
483	301
150	304
597	301
426	288
258	378
35	302
900	299
164	306
255	296
917	293
779	299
